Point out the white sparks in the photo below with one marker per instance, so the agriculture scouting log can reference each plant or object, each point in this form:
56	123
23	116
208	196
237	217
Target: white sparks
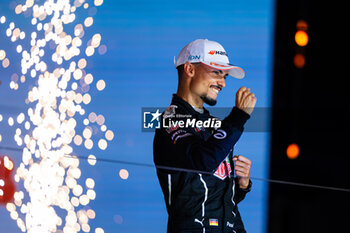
49	170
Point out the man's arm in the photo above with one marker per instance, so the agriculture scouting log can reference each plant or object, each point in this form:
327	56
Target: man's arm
181	148
241	193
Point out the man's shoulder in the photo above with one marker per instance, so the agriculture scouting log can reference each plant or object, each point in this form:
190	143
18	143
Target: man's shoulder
173	120
170	111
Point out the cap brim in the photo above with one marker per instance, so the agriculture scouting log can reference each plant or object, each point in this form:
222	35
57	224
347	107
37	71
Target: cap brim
234	71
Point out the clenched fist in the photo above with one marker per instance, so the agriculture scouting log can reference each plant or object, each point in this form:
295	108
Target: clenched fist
245	100
242	170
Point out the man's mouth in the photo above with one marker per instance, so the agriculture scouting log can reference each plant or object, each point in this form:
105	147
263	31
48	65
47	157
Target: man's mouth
215	88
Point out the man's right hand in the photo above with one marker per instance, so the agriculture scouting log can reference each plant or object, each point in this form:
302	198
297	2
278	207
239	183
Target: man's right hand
245	100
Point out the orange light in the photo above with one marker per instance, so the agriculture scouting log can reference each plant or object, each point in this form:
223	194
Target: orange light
293	151
302	25
301	38
299	60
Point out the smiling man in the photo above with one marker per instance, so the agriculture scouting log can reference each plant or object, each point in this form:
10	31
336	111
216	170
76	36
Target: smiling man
201	180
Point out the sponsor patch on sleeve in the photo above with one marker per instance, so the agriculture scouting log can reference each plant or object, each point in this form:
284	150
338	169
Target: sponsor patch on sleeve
220	134
170	111
176	135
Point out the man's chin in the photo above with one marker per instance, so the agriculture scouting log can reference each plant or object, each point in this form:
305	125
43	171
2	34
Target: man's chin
208	100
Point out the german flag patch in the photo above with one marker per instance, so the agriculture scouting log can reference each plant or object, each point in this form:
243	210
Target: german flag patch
213	222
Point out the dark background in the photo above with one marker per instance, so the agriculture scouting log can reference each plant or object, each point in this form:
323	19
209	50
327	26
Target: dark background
311	109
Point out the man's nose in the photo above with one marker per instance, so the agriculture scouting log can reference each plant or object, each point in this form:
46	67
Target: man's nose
222	82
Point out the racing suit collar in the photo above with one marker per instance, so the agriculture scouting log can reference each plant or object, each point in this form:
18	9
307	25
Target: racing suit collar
179	101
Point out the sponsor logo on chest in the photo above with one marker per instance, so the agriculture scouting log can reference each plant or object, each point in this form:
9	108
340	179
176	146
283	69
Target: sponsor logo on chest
224	170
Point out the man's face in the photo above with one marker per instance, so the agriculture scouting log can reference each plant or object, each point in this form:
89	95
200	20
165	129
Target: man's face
208	82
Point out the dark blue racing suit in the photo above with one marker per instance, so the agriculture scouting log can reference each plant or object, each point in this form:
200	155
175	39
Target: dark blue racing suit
204	201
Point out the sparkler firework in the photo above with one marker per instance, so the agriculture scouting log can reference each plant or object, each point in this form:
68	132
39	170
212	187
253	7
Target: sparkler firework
54	57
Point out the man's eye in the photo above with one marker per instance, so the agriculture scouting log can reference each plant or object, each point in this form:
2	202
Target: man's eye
216	72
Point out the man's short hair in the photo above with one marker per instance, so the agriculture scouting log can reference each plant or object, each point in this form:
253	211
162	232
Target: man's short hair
180	70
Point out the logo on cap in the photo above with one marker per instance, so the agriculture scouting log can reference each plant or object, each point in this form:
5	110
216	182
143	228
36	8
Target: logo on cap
193	57
217	65
212	52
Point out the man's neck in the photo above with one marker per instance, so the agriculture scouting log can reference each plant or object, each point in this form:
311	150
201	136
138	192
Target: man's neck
190	98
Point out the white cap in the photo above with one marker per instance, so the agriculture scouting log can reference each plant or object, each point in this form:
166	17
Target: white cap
210	53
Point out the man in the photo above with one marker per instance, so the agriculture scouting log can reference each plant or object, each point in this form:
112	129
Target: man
193	150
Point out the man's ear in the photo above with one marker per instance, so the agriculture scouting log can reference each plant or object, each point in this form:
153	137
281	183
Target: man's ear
189	69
